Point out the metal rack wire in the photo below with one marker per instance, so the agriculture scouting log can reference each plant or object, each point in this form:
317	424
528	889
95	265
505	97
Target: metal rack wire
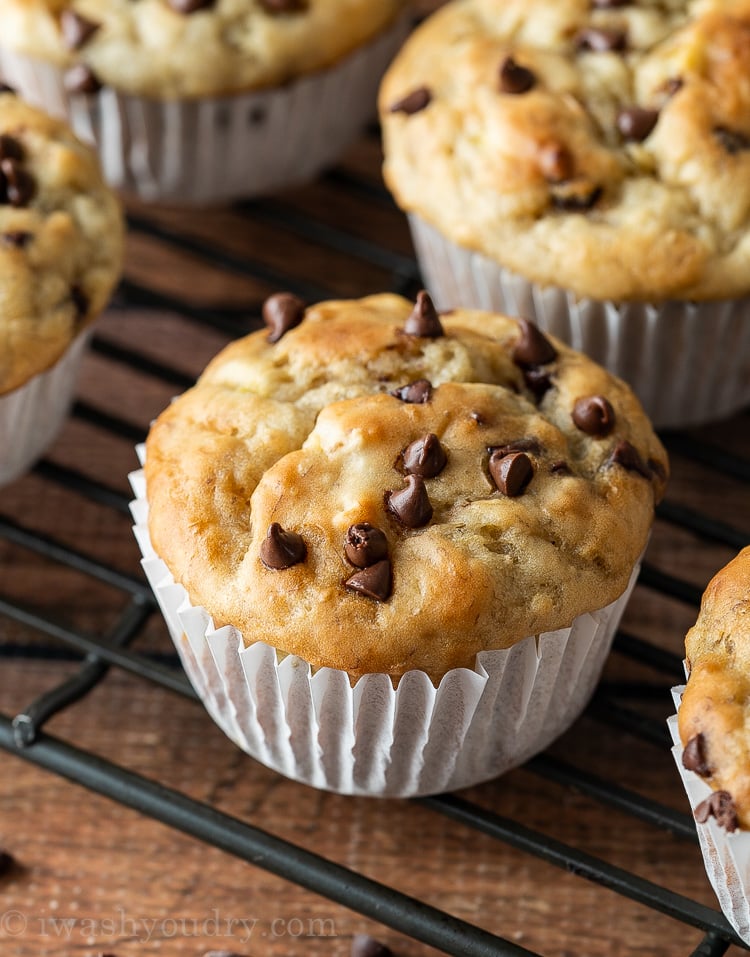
116	646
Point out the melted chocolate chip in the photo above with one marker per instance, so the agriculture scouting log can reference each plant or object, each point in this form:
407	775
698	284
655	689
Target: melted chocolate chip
373	582
533	348
18	238
635	123
7	862
413	102
81	79
282	312
365	946
478	418
694	756
80	300
76	30
628	457
556	162
423	320
281	549
20	186
511	472
594	415
537	381
277	7
519	445
417	393
11	149
602	40
190	6
425	456
514	78
721	806
575	196
732	141
4	88
410	505
365	545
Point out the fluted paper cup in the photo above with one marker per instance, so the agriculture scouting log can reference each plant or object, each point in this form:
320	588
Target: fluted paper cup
726	855
688	363
213	149
371	738
32	415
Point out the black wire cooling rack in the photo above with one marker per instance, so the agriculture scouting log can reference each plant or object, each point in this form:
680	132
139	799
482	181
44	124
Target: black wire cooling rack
116	646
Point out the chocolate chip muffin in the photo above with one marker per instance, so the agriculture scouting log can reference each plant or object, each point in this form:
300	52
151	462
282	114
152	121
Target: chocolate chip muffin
377	489
712	715
586	164
61	245
204	99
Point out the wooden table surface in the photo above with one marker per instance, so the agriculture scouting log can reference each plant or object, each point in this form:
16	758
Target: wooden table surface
93	877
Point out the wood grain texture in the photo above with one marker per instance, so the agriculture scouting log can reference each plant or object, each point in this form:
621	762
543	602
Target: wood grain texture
94	878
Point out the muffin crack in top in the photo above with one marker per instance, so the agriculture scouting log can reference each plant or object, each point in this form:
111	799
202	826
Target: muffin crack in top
379	488
603	148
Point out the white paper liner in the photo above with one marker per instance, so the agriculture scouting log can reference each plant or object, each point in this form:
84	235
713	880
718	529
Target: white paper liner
32	415
371	739
688	363
725	855
214	149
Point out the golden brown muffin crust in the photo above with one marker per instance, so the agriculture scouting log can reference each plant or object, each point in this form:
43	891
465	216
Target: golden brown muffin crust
61	240
152	48
713	714
611	157
306	434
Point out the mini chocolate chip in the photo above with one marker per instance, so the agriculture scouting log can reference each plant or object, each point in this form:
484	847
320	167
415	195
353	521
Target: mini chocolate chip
560	468
365	545
20	186
11	149
519	445
423	320
635	123
410	505
281	549
81	79
556	162
602	40
366	946
190	6
537	381
19	238
425	456
575	196
721	805
282	312
594	415
694	756
374	581
628	457
413	102
80	300
417	393
76	30
732	141
275	7
515	78
533	348
511	473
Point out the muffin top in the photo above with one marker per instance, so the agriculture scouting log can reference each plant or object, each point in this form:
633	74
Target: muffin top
713	715
190	48
598	145
61	240
377	488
